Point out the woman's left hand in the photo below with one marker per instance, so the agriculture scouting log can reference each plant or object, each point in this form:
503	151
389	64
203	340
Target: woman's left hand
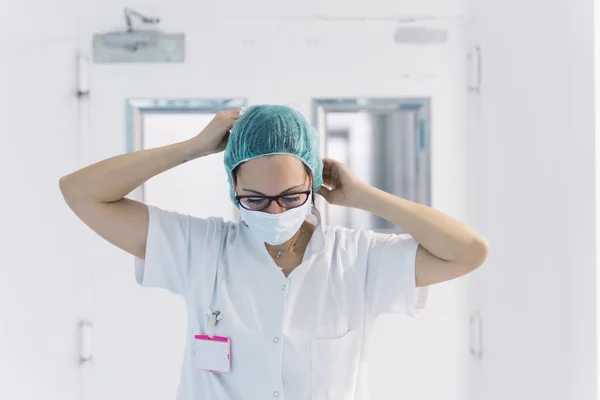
340	186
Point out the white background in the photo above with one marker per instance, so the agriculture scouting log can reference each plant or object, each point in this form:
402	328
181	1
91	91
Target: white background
519	166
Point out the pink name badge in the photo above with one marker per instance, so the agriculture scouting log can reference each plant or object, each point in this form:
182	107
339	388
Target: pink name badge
212	354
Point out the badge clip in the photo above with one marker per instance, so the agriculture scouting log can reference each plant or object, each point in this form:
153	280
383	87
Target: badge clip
215	317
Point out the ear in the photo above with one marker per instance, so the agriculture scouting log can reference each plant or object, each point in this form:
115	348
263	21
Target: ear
234	182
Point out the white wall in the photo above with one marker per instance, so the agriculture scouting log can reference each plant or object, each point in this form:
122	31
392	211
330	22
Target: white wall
41	254
537	200
276	59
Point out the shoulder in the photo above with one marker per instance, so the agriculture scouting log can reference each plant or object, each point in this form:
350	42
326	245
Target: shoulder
214	227
340	235
192	226
349	246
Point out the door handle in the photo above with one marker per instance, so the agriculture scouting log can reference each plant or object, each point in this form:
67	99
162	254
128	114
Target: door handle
476	335
474	61
85	342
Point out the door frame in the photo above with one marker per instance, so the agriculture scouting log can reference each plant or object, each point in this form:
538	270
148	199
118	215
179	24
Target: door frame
420	105
138	107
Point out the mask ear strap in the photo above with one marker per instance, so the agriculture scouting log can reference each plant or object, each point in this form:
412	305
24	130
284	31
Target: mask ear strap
312	189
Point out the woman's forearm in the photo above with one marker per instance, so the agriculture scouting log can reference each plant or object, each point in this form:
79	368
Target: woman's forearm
440	234
112	179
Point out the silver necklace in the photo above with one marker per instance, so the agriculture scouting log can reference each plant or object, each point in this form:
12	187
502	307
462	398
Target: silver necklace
292	247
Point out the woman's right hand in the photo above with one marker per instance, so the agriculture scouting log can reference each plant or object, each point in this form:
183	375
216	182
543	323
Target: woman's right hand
213	138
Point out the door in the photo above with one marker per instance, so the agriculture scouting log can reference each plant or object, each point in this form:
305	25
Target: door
41	272
386	146
477	314
387	143
140	333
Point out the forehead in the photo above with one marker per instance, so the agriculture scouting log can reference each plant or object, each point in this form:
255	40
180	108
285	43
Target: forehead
271	174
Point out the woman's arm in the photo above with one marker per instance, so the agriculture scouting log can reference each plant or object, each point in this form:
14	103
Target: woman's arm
96	193
448	249
112	179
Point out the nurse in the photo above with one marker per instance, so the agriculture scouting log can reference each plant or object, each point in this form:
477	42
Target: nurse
278	305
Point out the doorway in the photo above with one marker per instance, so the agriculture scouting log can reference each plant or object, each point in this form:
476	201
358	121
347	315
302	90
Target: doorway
199	188
131	323
385	142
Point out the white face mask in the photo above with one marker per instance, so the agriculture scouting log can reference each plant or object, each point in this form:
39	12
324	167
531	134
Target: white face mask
276	229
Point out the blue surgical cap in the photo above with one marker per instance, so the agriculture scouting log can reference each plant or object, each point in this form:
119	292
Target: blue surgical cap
269	129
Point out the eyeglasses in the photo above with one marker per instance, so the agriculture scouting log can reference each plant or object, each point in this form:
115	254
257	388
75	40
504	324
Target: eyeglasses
259	203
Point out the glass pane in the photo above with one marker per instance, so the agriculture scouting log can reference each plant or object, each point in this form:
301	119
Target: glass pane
385	148
199	187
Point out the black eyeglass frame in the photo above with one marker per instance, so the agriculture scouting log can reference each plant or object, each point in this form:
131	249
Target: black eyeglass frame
273	198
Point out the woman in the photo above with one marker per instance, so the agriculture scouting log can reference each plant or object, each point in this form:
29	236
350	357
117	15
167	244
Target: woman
279	306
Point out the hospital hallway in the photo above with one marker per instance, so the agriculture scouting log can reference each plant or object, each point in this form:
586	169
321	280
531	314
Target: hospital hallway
485	110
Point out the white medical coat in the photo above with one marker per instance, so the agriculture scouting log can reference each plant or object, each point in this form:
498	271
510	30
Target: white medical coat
296	338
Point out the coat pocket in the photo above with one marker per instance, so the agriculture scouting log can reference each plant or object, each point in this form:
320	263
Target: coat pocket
334	366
